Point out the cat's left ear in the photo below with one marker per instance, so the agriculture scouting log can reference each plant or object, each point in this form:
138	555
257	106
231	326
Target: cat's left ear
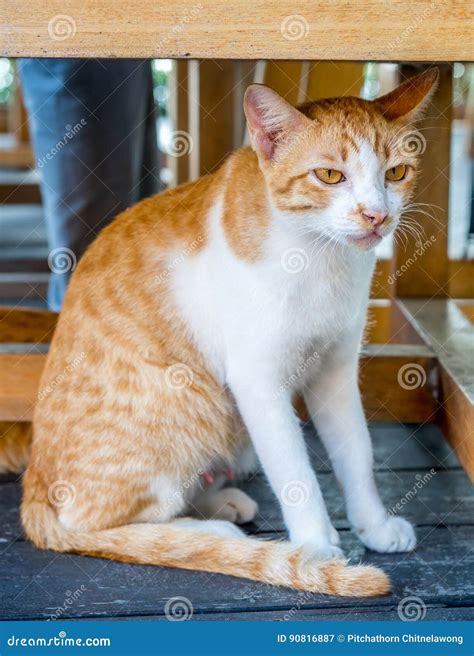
408	101
269	119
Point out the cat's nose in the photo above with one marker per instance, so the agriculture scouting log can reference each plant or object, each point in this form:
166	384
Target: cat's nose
376	217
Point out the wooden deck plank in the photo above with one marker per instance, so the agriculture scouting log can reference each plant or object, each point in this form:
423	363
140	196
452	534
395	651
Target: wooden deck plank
37	583
445	499
282	29
396	446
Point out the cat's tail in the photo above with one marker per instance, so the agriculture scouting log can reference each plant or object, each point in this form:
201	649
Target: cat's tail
172	545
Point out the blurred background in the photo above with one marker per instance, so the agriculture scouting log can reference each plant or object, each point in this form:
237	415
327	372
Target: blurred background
199	121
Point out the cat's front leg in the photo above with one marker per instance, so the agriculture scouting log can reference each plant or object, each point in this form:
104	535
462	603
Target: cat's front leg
333	400
278	440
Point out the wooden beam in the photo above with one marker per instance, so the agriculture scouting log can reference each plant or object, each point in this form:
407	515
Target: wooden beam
283	29
461	278
26	325
457	420
178	162
334	78
450	334
288	79
396	383
427	273
211	116
19	385
19	187
384	398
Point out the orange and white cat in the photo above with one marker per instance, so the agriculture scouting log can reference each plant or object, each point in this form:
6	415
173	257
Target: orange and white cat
189	326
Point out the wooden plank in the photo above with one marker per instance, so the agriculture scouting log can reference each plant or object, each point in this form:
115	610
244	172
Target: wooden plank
19	384
331	79
386	324
397	446
457	420
382	287
178	162
423	271
285	77
461	278
451	335
395	382
211	116
282	29
467	308
26	325
35	583
14	153
19	187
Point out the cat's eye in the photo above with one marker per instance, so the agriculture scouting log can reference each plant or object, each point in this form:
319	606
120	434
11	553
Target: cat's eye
396	173
329	176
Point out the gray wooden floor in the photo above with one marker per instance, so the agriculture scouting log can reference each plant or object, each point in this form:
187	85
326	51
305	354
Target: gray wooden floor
435	582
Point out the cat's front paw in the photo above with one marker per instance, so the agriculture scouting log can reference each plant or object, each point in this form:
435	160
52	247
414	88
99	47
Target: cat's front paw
393	535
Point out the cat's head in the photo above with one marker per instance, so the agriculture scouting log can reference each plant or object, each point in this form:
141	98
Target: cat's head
342	167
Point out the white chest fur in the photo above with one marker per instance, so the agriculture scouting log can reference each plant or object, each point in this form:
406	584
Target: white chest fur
274	313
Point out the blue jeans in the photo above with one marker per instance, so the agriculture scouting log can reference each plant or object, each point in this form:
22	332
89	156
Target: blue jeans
92	125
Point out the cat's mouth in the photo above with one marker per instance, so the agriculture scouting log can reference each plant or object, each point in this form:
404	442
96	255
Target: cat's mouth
367	240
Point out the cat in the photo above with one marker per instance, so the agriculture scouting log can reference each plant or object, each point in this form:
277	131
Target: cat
187	329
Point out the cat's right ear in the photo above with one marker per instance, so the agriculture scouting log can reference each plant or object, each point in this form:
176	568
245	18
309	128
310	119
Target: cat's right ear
269	119
408	101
